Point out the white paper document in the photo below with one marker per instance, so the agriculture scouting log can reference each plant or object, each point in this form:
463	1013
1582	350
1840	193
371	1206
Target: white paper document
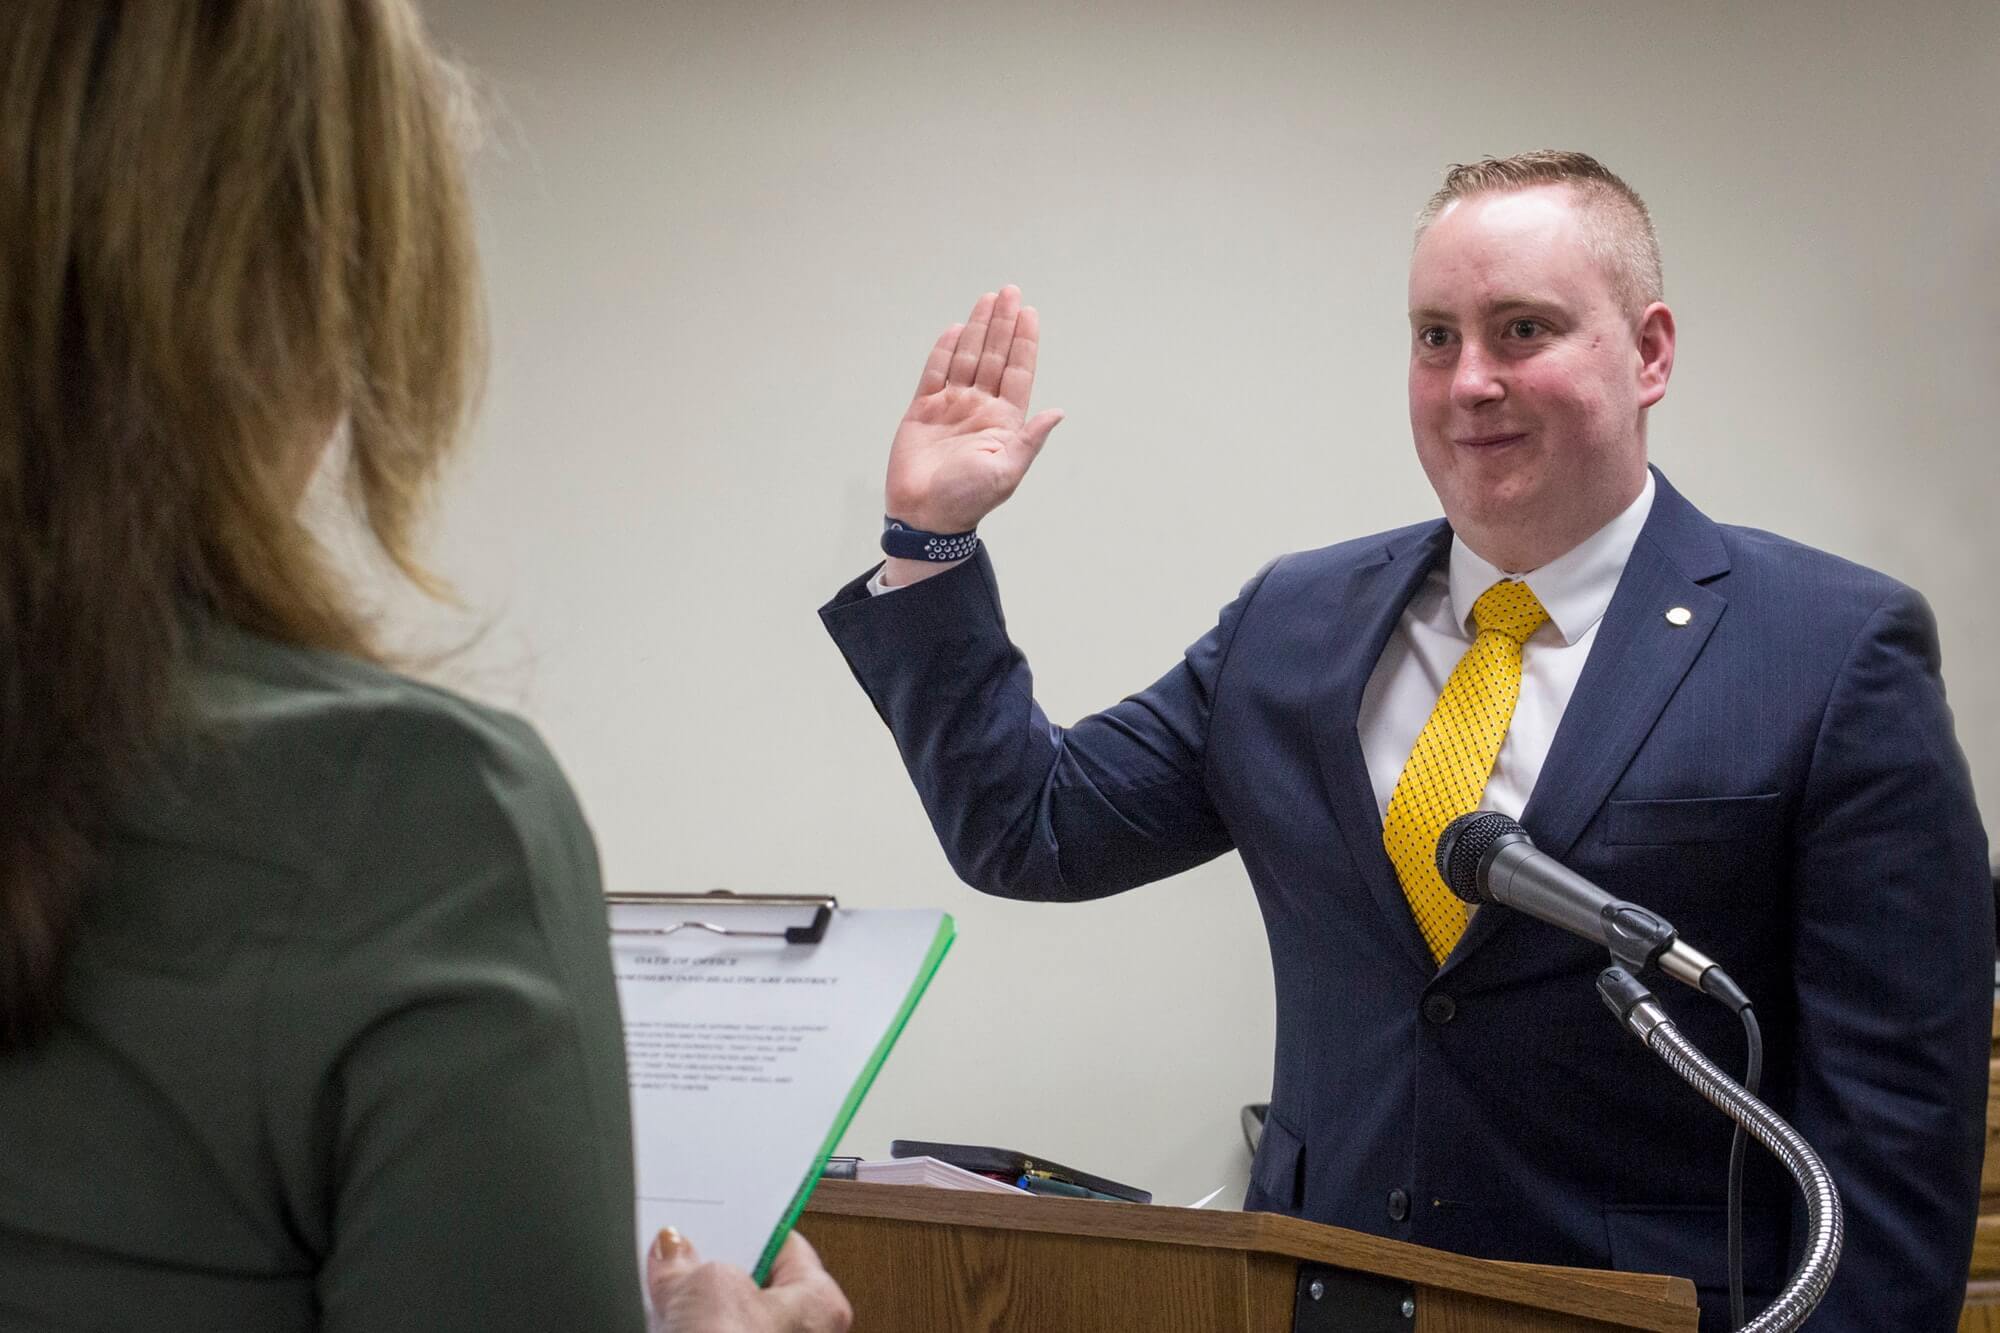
747	1057
930	1171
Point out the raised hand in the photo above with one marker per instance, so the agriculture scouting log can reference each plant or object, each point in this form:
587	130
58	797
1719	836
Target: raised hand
967	440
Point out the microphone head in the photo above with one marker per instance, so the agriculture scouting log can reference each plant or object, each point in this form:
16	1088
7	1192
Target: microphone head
1463	848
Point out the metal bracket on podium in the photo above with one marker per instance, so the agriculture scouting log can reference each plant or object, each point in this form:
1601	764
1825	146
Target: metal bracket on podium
821	907
1340	1300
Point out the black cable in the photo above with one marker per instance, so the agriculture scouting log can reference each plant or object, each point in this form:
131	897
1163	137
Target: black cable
1753	1073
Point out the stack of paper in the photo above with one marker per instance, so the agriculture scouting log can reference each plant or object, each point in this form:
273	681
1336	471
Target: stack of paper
929	1171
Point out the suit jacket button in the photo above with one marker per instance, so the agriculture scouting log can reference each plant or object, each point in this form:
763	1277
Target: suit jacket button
1399	1205
1438	1008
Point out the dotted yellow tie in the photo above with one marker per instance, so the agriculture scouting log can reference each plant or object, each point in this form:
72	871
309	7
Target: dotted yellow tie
1448	767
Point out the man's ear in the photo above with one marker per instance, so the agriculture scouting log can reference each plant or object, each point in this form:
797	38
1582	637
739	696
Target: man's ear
1656	353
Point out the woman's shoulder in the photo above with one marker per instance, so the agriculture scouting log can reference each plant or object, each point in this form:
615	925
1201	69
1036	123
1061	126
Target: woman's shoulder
311	757
243	686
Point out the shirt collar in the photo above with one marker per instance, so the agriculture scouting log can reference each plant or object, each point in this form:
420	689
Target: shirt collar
1574	588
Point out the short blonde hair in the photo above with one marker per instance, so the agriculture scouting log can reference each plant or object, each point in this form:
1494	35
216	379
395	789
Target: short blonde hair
1616	220
226	227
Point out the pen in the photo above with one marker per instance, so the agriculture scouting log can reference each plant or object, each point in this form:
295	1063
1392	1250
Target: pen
1039	1182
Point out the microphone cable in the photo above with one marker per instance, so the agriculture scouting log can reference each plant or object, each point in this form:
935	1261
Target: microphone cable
1753	1073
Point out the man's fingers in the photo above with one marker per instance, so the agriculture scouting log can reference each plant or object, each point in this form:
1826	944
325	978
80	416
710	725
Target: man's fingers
1018	380
999	339
939	361
670	1259
965	361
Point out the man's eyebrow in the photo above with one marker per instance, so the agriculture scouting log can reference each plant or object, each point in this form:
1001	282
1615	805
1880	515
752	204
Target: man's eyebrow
1509	301
1516	302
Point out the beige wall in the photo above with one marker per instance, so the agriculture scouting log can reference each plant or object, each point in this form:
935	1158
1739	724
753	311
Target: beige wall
722	235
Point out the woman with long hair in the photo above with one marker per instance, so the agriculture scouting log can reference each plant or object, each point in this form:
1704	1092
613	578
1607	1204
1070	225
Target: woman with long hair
306	1013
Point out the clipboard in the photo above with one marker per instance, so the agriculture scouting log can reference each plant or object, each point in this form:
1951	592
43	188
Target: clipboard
754	1024
812	932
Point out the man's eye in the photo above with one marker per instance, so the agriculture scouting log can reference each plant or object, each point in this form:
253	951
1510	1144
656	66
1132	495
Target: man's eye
1525	328
1432	337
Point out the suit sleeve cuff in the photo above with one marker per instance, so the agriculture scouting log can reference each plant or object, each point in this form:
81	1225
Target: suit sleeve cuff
962	601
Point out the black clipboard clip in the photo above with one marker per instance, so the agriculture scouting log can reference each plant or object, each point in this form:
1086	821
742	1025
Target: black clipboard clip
812	933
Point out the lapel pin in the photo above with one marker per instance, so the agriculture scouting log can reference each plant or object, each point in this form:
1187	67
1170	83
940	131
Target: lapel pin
1679	616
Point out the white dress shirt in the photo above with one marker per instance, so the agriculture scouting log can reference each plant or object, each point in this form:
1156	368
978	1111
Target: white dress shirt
1436	629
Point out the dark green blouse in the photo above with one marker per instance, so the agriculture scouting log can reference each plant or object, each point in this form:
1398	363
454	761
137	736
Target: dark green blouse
341	1046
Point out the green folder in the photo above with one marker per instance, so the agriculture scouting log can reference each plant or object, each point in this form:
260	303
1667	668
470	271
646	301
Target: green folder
940	945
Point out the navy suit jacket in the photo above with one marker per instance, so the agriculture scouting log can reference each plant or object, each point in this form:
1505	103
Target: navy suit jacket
1778	778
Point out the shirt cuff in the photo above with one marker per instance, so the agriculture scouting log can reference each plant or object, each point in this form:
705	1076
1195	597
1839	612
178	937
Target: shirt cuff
876	587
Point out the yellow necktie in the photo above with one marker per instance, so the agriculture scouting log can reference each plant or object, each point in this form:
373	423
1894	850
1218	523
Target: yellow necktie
1447	769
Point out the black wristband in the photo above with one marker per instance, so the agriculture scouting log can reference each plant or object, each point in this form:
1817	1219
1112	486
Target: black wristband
905	542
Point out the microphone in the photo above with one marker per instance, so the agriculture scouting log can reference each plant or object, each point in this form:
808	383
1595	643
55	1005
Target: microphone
1485	857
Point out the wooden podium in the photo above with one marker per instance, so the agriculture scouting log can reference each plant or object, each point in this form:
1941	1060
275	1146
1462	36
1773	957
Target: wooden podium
917	1260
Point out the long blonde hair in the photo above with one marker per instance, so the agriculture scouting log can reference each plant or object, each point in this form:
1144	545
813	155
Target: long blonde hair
225	228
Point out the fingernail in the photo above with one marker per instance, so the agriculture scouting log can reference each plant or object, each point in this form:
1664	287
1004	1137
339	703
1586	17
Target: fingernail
667	1243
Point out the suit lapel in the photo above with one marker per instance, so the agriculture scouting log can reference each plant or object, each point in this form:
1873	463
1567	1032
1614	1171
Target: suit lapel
1635	666
1636	663
1361	613
1638	660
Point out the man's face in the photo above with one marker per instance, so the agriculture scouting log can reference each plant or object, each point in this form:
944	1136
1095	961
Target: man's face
1528	382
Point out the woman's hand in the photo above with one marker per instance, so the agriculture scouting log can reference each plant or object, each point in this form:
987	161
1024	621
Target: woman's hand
690	1296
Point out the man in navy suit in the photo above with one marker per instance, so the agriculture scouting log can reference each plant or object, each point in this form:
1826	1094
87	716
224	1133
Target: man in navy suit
1747	735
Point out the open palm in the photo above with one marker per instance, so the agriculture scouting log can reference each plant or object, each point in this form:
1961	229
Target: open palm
967	440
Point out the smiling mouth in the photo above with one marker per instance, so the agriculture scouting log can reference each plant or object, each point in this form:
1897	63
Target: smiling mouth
1490	441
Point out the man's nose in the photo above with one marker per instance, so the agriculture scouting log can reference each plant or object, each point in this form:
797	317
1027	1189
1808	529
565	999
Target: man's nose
1476	378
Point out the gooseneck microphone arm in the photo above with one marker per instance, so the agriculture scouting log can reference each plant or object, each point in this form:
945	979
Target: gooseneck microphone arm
1642	1016
1485	857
